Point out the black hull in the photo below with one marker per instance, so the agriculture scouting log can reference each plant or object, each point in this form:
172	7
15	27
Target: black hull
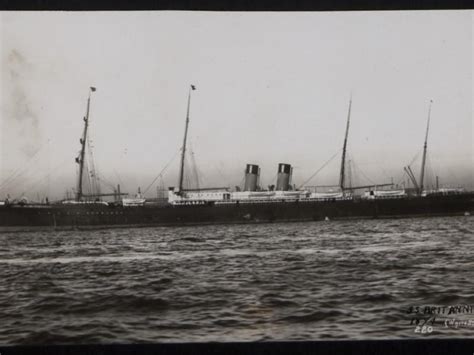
97	215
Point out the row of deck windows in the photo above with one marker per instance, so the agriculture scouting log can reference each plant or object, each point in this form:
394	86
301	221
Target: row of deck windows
87	213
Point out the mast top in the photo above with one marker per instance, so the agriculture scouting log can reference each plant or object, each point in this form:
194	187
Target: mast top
428	123
91	90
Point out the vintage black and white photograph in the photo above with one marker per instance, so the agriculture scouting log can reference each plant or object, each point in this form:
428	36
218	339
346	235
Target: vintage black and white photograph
194	176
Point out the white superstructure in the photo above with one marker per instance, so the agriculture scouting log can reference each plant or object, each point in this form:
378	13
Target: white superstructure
223	196
375	194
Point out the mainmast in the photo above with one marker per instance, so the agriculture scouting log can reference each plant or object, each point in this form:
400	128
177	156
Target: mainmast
83	140
422	174
344	148
183	150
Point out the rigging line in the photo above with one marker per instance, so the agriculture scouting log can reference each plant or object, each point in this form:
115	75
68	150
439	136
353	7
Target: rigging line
93	170
360	171
91	191
97	181
416	157
199	176
349	171
90	169
402	179
242	183
20	170
19	183
187	173
216	167
105	181
27	165
118	177
17	173
384	172
160	190
192	177
321	168
38	181
431	169
195	169
162	171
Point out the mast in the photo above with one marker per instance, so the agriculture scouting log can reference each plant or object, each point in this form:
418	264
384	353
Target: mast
83	140
344	147
422	174
183	150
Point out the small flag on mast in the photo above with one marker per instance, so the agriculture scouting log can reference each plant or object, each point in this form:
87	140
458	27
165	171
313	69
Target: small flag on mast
193	87
93	89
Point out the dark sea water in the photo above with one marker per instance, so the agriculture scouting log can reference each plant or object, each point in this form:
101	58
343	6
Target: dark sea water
298	281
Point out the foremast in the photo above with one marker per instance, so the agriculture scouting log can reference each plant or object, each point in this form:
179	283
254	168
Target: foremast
183	150
83	140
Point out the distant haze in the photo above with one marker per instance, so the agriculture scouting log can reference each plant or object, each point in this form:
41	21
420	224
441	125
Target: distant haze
271	87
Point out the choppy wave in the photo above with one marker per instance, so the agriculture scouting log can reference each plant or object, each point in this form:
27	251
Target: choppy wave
298	281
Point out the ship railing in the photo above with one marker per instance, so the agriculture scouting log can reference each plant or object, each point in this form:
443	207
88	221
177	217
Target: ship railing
327	199
85	202
393	197
31	205
260	201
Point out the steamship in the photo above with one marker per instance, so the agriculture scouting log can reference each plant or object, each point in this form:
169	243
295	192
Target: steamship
280	203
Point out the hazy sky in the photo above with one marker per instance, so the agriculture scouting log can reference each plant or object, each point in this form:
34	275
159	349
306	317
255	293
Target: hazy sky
271	87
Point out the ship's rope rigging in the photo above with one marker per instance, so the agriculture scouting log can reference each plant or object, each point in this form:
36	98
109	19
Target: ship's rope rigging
191	172
381	168
349	172
160	174
430	174
219	171
415	158
405	175
353	171
358	169
190	162
118	177
187	182
92	171
88	176
160	188
38	182
195	169
109	184
22	170
320	168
